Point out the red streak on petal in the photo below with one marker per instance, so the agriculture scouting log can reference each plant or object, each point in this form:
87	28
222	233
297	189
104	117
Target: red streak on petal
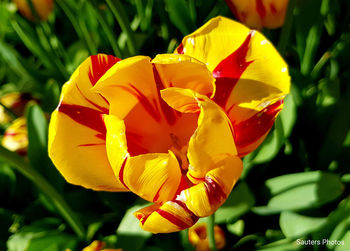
99	65
121	173
195	178
102	109
93	144
229	71
180	49
156	197
168	112
273	9
151	110
9	134
134	144
194	217
173	219
260	8
255	127
214	191
85	116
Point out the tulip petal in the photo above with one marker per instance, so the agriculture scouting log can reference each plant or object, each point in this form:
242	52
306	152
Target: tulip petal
251	77
154	177
213	136
185	72
172	216
77	132
207	196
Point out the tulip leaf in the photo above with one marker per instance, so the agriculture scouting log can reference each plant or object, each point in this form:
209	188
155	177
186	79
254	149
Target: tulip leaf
334	224
180	15
301	191
295	225
345	243
7	182
37	127
288	115
238	203
33	238
284	244
130	236
272	144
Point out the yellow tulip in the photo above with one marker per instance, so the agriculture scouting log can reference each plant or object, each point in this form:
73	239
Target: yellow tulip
259	13
42	7
162	128
15	137
197	235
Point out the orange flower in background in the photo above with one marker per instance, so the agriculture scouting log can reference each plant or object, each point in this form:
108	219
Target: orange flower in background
15	137
42	7
259	13
197	235
162	128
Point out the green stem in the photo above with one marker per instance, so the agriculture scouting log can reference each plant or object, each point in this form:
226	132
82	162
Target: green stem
287	28
25	169
210	232
119	12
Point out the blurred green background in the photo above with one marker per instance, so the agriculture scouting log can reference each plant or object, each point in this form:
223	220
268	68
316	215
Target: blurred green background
294	187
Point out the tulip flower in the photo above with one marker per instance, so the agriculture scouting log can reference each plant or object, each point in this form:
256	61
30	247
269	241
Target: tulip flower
14	101
160	127
197	235
42	7
15	137
259	13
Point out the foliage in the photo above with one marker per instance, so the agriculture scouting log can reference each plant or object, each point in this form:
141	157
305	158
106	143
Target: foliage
295	186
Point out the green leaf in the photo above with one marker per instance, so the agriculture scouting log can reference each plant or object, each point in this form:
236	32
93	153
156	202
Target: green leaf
7	182
288	115
236	228
32	238
238	203
301	191
180	15
37	134
295	225
130	236
52	96
345	243
272	144
284	244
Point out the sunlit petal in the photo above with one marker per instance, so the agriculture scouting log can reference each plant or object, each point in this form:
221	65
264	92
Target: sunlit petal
77	132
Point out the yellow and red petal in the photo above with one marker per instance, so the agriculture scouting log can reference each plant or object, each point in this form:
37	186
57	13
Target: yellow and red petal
154	177
212	191
184	72
251	77
213	136
77	131
133	87
172	216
